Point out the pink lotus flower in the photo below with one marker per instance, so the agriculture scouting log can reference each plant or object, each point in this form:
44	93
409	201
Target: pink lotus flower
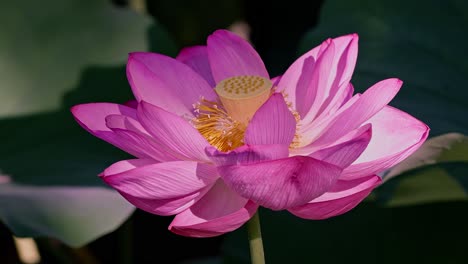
215	137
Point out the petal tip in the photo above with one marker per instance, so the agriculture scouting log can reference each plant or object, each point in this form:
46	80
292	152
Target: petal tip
186	51
81	114
75	109
134	54
222	32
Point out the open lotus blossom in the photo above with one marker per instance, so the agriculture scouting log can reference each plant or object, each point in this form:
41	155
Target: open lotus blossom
215	136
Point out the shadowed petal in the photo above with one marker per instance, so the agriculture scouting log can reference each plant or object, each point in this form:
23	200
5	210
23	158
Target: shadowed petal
166	82
312	85
347	95
273	123
345	61
283	183
344	196
160	188
219	211
124	122
247	154
132	103
333	108
197	58
343	154
230	56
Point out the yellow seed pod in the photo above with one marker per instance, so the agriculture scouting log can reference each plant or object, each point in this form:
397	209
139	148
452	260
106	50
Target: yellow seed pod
243	95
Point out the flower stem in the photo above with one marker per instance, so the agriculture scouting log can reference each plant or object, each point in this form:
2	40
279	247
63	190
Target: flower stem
255	240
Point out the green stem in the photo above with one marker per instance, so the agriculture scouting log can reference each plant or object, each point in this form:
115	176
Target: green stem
255	240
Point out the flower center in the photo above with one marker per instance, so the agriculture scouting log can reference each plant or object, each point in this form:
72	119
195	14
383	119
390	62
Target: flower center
243	95
223	123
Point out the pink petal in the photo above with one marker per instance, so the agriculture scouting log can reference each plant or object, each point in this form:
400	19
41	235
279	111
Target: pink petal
230	55
310	131
343	154
173	132
137	144
125	165
339	100
311	93
344	61
197	58
160	188
282	183
166	82
247	154
306	94
124	122
370	103
273	123
347	95
221	210
344	196
342	67
92	117
396	136
132	136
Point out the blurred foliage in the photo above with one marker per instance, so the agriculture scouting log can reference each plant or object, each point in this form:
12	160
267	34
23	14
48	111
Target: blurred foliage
44	46
52	162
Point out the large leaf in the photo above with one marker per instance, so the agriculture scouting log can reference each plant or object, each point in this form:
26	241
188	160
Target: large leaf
44	46
436	172
424	44
74	215
49	165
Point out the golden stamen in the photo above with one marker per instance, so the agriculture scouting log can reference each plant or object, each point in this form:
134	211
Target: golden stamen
219	129
223	123
297	137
